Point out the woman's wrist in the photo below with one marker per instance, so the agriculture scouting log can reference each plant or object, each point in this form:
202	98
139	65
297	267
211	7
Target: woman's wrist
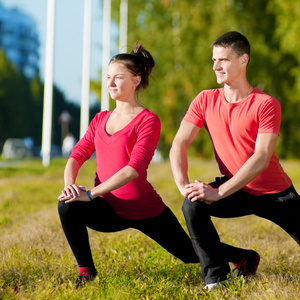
89	195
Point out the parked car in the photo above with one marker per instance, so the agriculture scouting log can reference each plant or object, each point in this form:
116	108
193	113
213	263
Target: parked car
16	149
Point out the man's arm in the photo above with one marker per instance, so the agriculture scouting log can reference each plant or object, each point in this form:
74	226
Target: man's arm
178	155
259	161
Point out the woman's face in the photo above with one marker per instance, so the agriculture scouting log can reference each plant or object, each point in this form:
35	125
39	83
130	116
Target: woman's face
121	83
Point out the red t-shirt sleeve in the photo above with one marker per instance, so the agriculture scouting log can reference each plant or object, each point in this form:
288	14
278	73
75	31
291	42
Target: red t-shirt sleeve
85	147
269	116
194	113
148	134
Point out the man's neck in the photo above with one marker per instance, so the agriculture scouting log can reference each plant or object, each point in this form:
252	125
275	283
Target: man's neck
235	95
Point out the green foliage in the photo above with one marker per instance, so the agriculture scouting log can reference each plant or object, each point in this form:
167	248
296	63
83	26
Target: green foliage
21	106
15	101
179	34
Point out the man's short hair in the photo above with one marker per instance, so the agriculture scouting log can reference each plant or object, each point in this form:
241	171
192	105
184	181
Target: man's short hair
238	42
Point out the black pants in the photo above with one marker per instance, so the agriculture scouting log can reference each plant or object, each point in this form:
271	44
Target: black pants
282	208
98	215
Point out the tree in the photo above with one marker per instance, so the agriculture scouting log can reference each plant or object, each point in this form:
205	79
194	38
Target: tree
21	106
179	33
286	30
16	105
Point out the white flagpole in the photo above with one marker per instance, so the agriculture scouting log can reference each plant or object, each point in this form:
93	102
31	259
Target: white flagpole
85	88
48	84
123	26
105	52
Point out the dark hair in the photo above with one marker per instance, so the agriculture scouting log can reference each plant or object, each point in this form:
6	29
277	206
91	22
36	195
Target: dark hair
238	42
139	62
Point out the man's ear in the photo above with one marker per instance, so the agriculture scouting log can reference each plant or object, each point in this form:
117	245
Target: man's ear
245	58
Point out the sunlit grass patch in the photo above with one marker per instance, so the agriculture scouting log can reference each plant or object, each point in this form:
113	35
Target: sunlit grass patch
36	261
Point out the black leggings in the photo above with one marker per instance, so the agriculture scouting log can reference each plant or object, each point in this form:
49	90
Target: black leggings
98	215
282	208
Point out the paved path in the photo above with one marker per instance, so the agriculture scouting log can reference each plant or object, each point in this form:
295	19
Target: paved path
4	164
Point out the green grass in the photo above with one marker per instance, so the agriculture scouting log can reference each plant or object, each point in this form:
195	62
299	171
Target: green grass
36	262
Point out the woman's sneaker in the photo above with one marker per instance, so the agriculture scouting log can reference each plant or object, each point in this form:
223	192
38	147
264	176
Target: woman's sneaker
85	275
248	265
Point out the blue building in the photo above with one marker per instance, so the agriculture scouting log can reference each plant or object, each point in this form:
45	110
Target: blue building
19	40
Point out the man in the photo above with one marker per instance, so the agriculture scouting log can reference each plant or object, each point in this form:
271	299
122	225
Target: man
243	123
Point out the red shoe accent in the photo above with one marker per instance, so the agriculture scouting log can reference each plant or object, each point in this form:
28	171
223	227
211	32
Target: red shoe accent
248	265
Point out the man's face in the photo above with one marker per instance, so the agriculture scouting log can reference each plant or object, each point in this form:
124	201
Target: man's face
227	65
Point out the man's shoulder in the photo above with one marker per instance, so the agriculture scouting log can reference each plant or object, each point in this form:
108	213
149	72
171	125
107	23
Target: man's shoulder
212	91
261	94
263	97
209	94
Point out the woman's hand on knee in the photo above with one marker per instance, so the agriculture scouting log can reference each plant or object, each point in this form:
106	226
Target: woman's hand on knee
73	193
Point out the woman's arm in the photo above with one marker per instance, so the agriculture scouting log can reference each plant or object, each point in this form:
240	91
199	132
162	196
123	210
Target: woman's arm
119	179
70	190
71	171
141	155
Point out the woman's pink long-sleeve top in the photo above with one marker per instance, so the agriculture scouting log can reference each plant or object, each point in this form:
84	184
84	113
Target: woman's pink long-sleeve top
133	146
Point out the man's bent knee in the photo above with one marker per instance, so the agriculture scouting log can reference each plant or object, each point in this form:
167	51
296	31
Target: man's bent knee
188	207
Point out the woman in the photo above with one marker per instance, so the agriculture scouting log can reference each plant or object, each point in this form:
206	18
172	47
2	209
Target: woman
124	141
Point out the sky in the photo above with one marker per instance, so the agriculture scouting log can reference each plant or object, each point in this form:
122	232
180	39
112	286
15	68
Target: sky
68	46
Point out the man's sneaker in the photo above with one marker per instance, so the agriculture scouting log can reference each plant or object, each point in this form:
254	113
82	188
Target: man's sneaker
84	276
211	286
215	285
248	265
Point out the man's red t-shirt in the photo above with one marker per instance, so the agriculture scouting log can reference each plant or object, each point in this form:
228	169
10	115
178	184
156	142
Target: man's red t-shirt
233	129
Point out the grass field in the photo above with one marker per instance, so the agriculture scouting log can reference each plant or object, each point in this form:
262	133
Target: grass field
36	262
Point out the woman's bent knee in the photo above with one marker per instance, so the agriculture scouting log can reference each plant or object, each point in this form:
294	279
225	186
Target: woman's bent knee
64	208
